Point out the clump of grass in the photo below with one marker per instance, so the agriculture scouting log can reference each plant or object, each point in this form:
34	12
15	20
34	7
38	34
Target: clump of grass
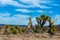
14	31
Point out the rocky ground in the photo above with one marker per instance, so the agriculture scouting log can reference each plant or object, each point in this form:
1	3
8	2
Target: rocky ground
30	36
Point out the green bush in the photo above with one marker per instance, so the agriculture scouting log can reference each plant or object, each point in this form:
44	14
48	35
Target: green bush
23	29
14	31
16	27
11	29
52	30
36	28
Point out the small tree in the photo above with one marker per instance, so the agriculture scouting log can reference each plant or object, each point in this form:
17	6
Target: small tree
16	27
52	29
14	31
41	21
30	23
11	29
6	31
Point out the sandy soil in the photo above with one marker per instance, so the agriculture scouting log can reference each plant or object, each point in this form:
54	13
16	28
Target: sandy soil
30	36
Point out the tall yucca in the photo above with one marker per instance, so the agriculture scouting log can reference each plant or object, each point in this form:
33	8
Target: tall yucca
30	23
41	21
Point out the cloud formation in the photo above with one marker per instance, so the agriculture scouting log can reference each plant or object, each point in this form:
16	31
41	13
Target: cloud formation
56	19
31	3
16	11
16	19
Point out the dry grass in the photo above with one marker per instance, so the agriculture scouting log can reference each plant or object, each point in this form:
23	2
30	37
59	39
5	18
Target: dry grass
30	36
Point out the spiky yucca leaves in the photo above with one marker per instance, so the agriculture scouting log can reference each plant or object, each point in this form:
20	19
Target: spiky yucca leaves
36	29
38	20
6	29
41	21
21	29
52	29
13	30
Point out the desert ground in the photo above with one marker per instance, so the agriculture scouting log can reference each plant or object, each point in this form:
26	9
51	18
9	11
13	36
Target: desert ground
30	36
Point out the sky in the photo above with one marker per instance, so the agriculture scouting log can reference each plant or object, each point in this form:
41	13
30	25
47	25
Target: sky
17	12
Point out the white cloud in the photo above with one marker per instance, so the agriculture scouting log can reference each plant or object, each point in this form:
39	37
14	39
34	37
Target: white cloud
23	19
28	11
36	3
32	3
20	19
6	14
41	11
9	2
17	19
34	21
55	4
56	19
23	10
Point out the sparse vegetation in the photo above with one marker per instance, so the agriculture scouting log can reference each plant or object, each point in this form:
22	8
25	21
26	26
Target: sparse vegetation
37	29
14	31
42	21
6	30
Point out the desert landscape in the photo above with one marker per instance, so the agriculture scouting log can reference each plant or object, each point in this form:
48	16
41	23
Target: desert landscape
30	36
36	32
29	19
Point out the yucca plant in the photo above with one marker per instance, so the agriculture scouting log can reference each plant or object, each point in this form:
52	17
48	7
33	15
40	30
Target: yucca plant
23	29
36	29
52	29
30	23
41	21
6	29
11	29
19	30
16	27
14	31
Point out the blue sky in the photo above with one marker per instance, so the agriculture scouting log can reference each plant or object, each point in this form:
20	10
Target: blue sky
18	11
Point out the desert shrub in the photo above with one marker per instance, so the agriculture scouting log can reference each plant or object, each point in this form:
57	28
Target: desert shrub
16	27
23	29
6	29
19	30
6	26
36	28
52	30
11	29
14	31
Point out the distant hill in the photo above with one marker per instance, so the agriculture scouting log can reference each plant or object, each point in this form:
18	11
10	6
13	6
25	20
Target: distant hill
56	25
23	25
13	25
